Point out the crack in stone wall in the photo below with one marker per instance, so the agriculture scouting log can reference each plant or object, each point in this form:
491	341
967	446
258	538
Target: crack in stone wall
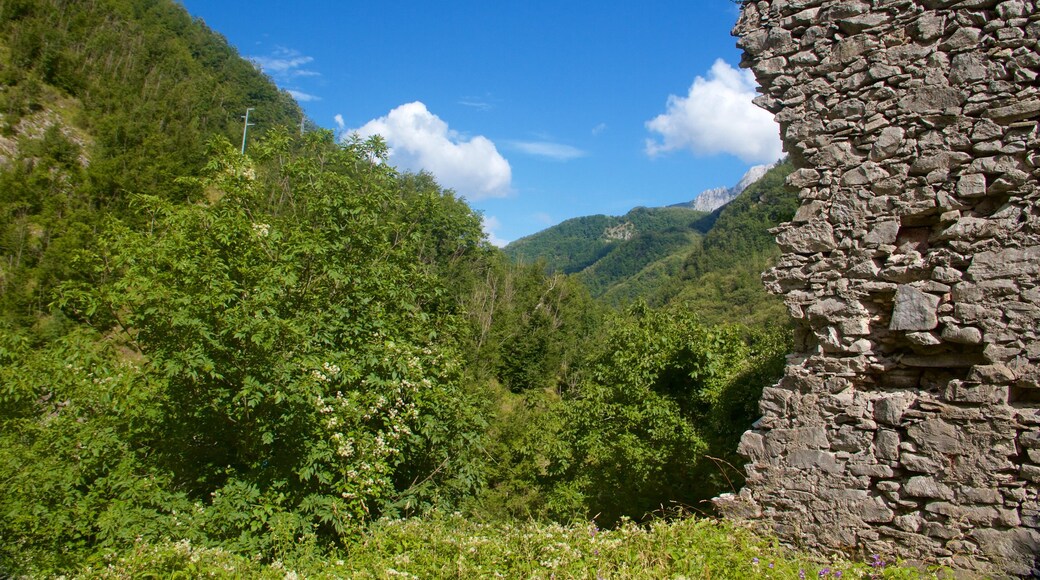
908	419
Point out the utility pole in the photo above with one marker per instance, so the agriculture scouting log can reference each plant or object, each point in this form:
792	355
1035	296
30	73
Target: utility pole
245	129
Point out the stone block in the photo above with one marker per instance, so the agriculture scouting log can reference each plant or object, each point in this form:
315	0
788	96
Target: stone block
961	392
914	310
927	487
812	459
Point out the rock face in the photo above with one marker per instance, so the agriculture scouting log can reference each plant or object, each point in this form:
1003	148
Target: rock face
710	200
908	420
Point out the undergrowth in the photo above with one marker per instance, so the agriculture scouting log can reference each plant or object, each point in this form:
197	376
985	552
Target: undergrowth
450	546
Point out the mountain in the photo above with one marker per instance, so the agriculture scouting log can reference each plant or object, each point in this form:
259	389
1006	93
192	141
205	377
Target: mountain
710	200
611	242
721	277
677	254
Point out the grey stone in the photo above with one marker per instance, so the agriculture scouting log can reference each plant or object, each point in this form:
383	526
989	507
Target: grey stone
932	100
967	68
1014	261
865	174
1018	111
752	445
962	334
875	511
923	338
887	143
971	185
803	178
889	410
924	486
962	37
936	435
814	459
1015	548
815	236
919	463
914	310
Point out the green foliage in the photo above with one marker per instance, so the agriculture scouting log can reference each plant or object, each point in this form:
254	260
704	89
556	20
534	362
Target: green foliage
280	365
711	263
663	402
528	330
302	369
449	546
106	99
632	256
72	416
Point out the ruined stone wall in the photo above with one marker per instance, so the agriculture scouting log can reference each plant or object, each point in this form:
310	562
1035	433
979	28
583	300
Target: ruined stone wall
908	420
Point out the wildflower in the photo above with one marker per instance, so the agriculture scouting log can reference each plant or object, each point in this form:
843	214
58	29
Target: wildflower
824	572
801	574
261	230
754	561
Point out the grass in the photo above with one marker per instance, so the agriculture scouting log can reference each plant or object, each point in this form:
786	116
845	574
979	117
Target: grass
450	546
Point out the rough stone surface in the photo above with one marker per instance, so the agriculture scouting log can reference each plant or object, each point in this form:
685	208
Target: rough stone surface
908	419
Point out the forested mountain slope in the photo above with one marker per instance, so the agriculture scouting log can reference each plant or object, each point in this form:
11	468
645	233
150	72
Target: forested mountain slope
576	244
721	278
100	100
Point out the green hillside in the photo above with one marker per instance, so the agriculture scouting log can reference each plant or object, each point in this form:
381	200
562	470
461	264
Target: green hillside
608	249
722	277
101	100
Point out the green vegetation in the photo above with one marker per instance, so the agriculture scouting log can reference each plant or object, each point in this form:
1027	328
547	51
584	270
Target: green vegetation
450	546
278	363
101	100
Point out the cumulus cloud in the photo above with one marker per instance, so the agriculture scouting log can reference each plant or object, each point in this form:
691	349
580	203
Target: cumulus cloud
556	151
420	140
490	224
717	116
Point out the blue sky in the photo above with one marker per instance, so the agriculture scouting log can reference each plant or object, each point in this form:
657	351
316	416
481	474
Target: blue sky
534	111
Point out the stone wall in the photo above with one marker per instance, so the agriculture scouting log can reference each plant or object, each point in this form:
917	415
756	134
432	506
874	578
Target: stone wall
908	420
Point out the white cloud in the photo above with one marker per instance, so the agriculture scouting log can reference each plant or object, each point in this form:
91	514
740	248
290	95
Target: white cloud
490	224
477	104
303	97
717	116
556	151
599	129
420	140
342	125
285	65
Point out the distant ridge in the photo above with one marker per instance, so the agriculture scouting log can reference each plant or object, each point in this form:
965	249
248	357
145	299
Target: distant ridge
710	200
